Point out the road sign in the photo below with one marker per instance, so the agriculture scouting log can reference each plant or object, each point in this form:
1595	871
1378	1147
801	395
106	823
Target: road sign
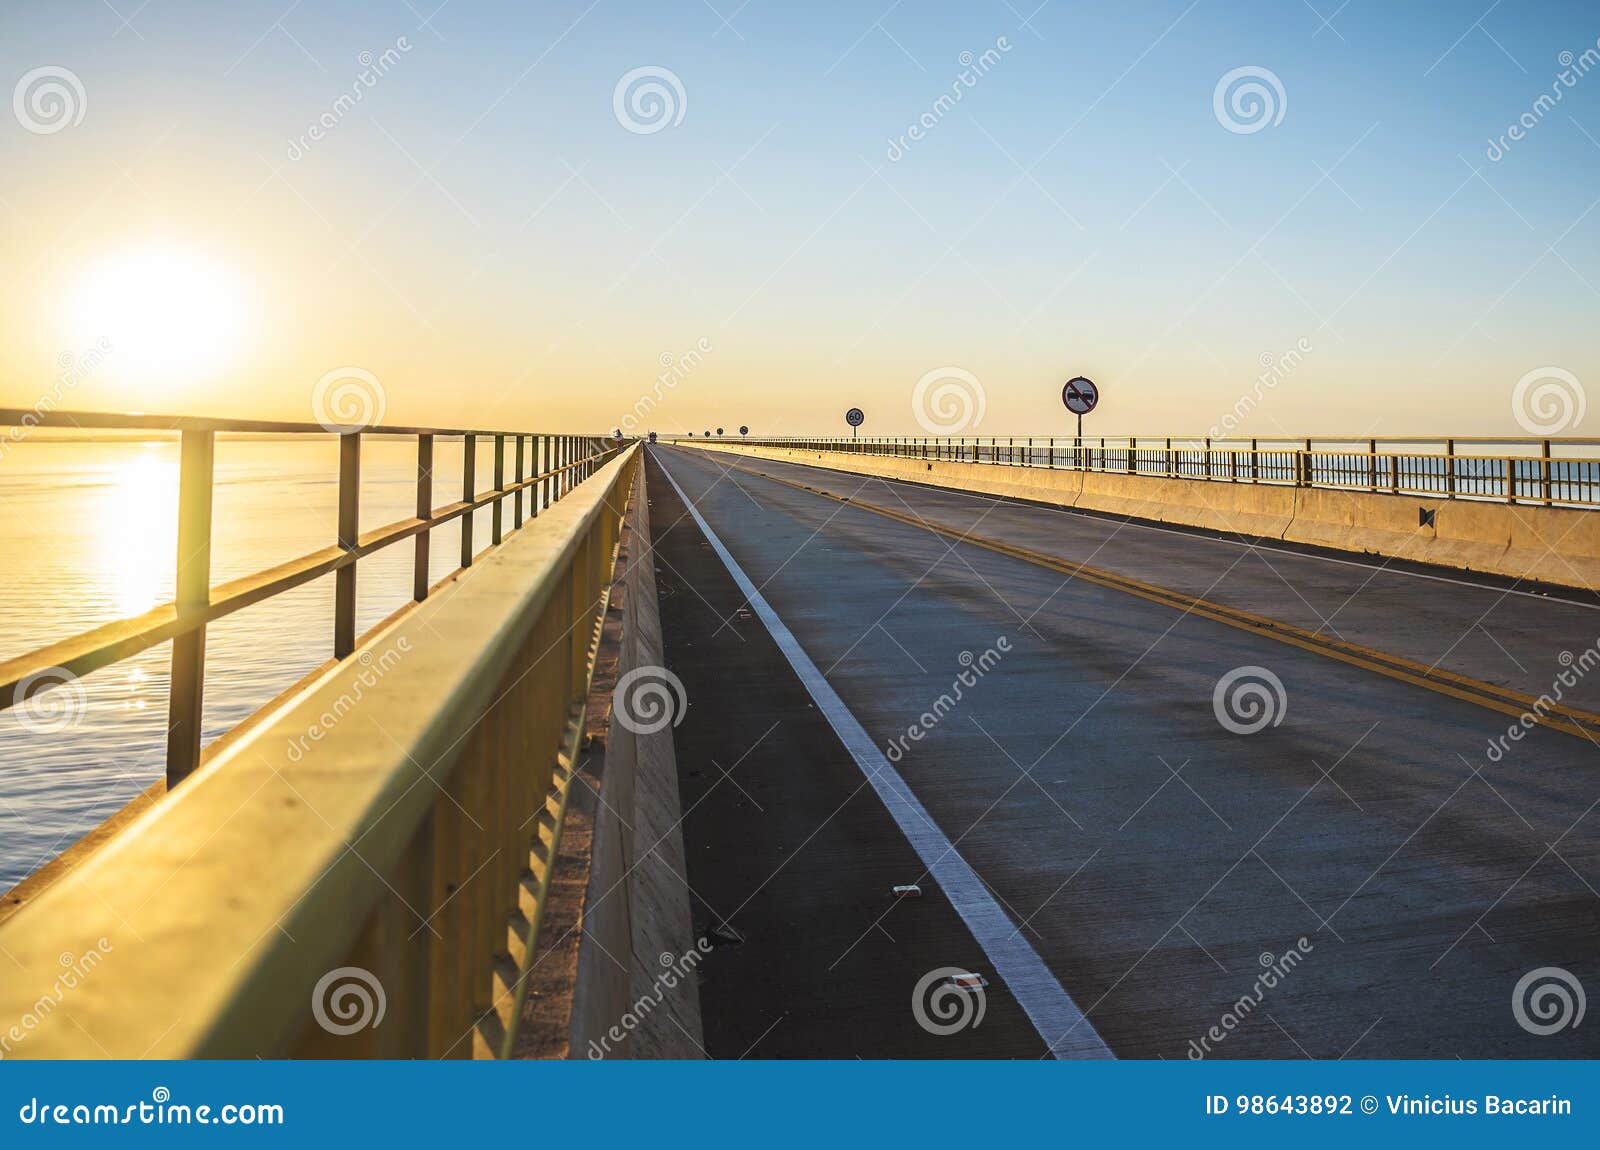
855	417
719	431
1080	395
708	435
743	430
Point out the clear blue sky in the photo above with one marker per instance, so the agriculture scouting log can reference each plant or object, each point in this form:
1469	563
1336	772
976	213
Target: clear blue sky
483	235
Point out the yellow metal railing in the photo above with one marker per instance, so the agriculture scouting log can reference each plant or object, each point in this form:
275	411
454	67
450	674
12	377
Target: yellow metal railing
1551	472
553	465
362	873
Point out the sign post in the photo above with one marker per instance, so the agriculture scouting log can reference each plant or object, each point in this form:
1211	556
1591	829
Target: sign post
855	417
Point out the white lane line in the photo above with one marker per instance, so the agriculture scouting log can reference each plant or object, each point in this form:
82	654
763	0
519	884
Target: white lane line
1062	1026
1022	504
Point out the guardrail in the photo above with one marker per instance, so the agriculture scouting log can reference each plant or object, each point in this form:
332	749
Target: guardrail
364	872
557	463
1550	472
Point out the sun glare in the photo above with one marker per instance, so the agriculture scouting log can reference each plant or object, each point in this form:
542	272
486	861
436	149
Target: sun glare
136	535
169	314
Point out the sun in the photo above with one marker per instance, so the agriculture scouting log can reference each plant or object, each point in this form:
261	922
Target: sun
168	314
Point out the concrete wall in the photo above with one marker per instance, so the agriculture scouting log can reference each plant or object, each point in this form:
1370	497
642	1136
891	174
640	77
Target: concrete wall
1550	545
635	904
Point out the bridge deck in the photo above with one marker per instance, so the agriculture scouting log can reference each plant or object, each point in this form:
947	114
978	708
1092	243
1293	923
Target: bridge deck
1152	858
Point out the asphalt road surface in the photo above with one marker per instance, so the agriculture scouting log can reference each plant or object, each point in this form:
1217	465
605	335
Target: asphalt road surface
1318	861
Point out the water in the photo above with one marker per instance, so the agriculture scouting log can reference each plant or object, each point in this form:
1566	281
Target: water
88	534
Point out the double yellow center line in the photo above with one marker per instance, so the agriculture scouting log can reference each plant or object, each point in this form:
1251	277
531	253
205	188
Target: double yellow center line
1541	711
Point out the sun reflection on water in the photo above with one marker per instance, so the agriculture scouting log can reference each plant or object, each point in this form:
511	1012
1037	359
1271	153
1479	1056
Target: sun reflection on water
136	536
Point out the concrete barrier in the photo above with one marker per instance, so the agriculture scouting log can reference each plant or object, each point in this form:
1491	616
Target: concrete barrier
619	904
1554	545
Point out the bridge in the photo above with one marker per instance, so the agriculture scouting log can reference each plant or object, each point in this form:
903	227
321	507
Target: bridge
936	747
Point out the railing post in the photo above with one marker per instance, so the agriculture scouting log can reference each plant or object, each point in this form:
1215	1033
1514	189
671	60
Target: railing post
186	693
1133	451
497	517
516	507
1206	458
1450	468
469	481
1372	463
1544	472
344	588
541	466
419	564
1511	479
